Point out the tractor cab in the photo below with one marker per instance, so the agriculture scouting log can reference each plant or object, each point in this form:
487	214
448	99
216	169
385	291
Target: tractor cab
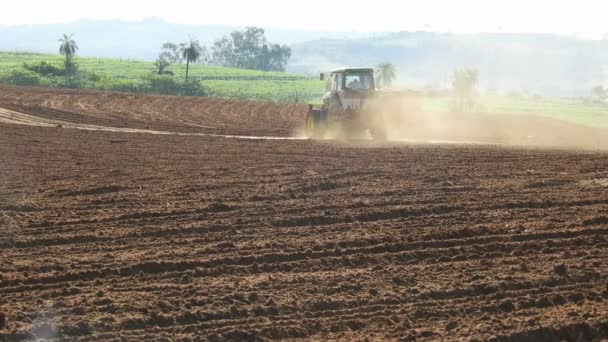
348	89
355	79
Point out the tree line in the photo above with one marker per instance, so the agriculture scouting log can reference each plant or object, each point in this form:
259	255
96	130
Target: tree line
50	75
248	49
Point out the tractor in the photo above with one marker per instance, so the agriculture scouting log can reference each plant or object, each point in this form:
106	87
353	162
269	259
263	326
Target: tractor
350	106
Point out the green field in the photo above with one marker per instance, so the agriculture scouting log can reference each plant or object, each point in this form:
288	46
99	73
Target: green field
128	75
576	110
218	81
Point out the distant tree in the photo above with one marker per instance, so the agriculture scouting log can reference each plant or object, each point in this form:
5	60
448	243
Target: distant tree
463	83
385	74
222	52
68	48
249	49
600	93
278	56
171	53
191	52
161	65
205	57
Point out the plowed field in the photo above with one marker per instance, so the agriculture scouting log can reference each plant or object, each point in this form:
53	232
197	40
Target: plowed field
134	236
167	113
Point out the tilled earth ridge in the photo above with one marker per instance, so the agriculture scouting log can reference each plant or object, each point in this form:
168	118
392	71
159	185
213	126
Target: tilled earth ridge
155	112
108	236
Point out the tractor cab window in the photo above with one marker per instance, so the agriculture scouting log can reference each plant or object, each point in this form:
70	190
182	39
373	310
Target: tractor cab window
359	81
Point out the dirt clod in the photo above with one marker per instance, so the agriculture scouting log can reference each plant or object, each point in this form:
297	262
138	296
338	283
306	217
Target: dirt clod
451	326
218	207
507	305
560	269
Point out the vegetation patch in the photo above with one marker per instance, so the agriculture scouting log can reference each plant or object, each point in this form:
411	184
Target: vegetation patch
47	70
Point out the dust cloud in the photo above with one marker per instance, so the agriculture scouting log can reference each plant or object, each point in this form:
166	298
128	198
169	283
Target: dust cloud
402	119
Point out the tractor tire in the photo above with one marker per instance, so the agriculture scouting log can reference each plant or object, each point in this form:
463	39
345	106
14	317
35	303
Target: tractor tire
315	123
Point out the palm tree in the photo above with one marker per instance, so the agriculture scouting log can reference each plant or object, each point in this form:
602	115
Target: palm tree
191	52
161	65
68	49
463	82
386	73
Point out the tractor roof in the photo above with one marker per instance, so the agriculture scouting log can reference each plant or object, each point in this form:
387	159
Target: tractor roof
352	69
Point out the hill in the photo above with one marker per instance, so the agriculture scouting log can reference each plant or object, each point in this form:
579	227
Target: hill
549	65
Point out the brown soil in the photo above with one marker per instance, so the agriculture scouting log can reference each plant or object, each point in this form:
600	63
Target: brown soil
109	235
95	109
155	112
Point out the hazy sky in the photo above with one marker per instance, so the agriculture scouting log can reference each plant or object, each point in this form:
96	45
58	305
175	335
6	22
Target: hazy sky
585	18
